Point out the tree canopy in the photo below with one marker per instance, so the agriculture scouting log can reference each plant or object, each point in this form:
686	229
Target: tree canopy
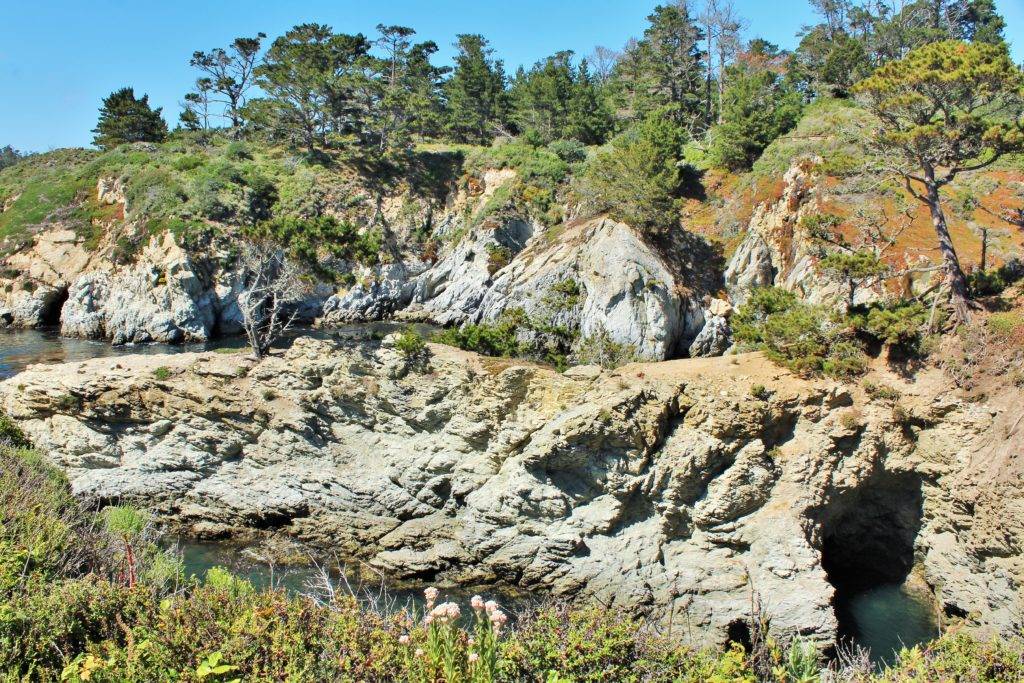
125	118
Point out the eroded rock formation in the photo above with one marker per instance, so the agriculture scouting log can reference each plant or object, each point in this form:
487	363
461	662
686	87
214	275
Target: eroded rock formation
670	489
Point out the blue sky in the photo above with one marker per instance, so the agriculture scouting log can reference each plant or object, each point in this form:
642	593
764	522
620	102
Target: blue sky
58	58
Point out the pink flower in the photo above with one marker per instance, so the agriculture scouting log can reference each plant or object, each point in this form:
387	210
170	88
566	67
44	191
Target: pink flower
453	611
473	657
429	619
498	620
431	595
470	641
477	603
419	652
403	639
490	606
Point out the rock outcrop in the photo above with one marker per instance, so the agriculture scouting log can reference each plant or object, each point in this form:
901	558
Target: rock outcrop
668	489
488	264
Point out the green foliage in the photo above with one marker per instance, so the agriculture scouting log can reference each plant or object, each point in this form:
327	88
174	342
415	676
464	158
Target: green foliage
799	336
995	281
162	373
125	118
311	239
539	175
757	107
9	156
569	151
637	178
498	256
475	93
411	344
947	105
556	100
759	392
598	348
125	520
900	324
490	339
11	434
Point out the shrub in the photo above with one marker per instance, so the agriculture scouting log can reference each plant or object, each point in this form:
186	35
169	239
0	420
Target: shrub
598	348
799	336
162	373
881	391
411	344
898	324
11	434
637	178
498	256
569	151
760	392
991	282
490	339
68	403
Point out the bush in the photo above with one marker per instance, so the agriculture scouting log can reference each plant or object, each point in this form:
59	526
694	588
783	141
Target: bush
799	336
11	434
569	151
900	324
411	344
637	178
992	282
162	373
498	256
598	348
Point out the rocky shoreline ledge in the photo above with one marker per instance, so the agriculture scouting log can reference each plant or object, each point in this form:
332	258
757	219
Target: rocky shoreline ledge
676	490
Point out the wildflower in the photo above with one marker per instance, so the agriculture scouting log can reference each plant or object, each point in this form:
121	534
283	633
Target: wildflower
498	619
490	606
453	611
470	641
403	639
477	603
428	620
431	595
473	657
419	652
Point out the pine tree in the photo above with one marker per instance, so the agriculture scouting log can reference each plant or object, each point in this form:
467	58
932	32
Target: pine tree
946	109
477	101
123	118
758	106
313	86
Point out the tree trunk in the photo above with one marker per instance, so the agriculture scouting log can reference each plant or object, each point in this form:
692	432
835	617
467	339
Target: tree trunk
958	289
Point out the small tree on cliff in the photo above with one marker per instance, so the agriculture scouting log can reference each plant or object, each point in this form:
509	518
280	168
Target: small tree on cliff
125	118
274	285
945	109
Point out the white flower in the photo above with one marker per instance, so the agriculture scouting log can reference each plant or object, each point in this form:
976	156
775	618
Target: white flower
473	657
490	606
403	639
431	595
498	620
477	603
419	652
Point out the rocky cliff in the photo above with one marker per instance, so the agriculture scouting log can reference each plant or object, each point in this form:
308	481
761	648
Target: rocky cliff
489	261
679	490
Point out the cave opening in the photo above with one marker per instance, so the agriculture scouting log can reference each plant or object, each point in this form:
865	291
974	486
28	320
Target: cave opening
53	305
868	538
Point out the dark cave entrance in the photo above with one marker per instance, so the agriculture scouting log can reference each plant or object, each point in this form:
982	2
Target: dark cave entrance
53	305
868	537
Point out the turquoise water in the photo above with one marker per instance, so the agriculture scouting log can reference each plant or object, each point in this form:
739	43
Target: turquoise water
889	617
